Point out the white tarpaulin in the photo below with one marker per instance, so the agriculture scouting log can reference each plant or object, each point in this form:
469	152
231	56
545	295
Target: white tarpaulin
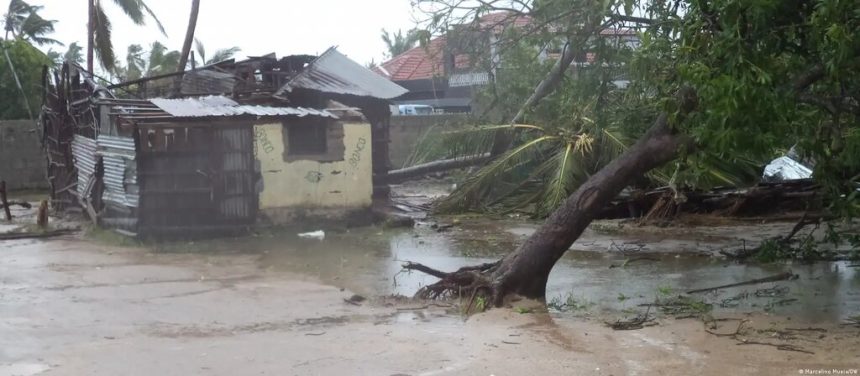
785	168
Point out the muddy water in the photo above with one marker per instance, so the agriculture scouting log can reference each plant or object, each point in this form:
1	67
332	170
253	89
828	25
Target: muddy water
595	278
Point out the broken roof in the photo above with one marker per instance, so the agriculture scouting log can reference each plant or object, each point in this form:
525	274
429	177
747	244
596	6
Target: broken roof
161	109
335	73
222	106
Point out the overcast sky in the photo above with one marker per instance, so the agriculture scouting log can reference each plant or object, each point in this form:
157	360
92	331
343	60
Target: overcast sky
259	27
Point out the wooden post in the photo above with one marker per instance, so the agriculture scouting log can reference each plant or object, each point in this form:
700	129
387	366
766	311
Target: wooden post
4	201
42	218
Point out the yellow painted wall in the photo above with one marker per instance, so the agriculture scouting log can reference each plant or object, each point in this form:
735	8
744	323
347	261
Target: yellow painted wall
309	184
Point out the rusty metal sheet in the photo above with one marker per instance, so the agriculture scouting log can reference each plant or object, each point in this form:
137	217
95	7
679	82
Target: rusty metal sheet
218	106
333	72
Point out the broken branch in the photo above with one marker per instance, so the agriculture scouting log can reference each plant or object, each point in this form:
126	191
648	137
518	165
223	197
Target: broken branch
36	235
774	278
425	269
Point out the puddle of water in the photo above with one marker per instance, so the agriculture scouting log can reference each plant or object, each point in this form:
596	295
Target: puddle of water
368	261
22	369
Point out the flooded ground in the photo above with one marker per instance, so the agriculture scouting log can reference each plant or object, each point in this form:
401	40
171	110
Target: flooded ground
606	274
274	304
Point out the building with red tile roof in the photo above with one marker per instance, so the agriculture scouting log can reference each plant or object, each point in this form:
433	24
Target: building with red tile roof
439	75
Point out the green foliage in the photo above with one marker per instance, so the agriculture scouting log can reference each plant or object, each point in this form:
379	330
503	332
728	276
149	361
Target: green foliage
523	310
159	60
665	291
685	306
807	249
136	10
745	58
398	43
22	21
569	303
28	62
218	56
769	75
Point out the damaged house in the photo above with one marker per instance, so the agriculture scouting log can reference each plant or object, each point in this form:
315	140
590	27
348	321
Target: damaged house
220	146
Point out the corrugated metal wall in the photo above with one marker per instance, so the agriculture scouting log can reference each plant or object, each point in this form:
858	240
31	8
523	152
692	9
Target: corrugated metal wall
195	178
236	195
84	152
120	170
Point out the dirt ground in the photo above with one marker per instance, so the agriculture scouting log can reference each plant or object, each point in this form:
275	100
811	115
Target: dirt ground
71	306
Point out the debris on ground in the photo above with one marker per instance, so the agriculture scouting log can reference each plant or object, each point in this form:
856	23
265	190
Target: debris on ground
785	168
638	322
318	235
355	299
397	221
37	234
774	278
742	335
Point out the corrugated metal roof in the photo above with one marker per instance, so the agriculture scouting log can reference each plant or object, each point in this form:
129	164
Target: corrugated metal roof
215	105
333	72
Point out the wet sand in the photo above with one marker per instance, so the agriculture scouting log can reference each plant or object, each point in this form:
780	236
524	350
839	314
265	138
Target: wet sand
71	306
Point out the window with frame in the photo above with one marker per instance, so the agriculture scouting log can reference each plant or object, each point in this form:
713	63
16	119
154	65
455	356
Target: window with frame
307	139
317	139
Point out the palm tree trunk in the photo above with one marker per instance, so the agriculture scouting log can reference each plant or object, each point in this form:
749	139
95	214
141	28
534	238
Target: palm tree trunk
91	32
186	47
525	271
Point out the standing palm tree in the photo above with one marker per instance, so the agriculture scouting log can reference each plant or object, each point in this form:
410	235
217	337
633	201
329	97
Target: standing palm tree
73	54
135	64
22	21
397	43
218	56
186	47
138	63
99	29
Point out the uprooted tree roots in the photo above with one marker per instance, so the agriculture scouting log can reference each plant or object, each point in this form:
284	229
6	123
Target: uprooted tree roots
470	281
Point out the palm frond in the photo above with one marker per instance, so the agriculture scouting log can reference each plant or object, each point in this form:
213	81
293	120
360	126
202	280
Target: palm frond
135	10
102	39
149	11
560	186
492	176
74	53
444	142
201	50
223	54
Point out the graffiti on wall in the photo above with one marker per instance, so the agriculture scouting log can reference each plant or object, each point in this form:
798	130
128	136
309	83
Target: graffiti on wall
355	157
261	141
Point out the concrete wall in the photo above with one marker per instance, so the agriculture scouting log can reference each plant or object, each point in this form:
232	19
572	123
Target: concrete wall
22	162
406	131
310	187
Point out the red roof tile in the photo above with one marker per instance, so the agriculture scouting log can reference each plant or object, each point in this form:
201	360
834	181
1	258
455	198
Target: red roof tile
418	63
426	62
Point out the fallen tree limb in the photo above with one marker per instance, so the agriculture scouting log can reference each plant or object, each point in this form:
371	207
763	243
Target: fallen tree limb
417	171
638	322
743	341
23	204
36	235
783	347
425	269
773	278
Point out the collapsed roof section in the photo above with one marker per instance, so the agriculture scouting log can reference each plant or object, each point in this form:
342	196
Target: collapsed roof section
335	73
267	79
